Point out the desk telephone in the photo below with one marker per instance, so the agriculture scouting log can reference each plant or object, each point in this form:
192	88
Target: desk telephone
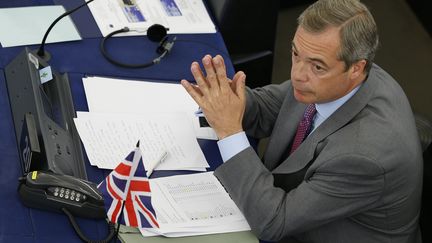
53	192
65	194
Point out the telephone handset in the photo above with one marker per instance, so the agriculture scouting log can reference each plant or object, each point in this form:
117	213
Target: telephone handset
55	192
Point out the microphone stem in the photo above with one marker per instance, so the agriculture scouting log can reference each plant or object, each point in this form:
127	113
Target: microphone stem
41	51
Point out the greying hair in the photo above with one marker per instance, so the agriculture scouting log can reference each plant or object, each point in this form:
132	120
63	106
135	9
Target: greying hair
358	31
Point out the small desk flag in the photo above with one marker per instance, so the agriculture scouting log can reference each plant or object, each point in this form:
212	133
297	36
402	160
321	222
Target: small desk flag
127	186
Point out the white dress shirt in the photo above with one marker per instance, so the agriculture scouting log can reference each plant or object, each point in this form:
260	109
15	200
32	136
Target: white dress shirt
236	143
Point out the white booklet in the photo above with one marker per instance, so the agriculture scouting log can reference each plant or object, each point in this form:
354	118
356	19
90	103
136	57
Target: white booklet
180	16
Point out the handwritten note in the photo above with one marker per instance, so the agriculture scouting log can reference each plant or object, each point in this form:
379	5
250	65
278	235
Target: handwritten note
108	139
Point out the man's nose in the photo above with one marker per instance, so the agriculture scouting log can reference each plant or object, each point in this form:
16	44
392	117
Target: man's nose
299	72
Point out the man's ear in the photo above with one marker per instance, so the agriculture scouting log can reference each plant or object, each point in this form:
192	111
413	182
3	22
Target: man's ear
357	69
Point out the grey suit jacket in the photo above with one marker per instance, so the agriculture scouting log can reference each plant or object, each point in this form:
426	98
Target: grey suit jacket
364	179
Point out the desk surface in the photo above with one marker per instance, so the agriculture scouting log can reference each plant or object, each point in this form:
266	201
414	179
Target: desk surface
78	59
237	237
132	235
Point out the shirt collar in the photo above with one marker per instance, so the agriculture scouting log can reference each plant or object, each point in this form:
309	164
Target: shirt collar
327	109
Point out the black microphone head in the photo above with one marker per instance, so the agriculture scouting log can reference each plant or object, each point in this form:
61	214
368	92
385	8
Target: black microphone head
156	32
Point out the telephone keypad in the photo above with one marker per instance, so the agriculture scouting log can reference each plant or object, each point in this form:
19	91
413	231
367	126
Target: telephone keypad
66	193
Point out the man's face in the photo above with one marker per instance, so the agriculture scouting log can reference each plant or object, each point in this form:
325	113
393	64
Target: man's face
317	75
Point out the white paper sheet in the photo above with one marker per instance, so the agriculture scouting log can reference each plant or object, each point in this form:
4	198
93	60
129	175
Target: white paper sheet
108	95
193	205
108	139
27	26
180	16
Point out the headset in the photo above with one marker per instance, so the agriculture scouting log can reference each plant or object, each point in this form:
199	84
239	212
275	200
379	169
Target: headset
155	33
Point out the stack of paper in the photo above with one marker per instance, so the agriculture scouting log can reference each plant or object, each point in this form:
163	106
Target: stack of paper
159	115
108	95
194	204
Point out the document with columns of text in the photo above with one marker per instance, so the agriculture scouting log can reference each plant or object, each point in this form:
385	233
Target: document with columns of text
195	204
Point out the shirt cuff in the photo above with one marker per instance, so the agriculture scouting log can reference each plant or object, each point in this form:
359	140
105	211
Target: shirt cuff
233	145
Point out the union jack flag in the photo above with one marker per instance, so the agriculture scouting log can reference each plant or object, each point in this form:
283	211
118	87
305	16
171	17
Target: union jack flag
128	184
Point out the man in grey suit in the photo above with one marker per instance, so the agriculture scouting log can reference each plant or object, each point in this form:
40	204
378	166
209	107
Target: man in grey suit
343	162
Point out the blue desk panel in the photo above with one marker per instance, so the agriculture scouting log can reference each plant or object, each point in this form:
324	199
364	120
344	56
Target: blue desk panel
80	58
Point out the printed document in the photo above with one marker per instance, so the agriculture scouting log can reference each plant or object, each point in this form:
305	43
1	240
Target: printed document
180	16
193	204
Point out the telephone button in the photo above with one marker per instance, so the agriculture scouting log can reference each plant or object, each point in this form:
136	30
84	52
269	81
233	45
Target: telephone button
78	197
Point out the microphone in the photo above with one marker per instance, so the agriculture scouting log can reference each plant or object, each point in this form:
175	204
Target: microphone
41	51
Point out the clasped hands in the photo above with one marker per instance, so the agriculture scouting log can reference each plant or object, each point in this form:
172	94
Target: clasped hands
221	99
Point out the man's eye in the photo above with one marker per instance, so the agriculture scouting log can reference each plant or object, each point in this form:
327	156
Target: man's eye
318	68
294	53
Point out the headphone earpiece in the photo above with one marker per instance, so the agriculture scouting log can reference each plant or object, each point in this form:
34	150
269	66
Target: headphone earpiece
155	33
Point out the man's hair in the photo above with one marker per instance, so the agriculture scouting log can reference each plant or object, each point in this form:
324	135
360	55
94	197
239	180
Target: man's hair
358	31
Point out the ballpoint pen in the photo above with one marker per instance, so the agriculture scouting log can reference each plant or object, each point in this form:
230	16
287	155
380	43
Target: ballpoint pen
161	158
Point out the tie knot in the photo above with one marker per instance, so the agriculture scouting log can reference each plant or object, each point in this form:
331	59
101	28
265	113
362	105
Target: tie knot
309	112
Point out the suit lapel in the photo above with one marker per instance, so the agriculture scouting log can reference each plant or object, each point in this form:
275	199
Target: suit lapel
305	153
285	128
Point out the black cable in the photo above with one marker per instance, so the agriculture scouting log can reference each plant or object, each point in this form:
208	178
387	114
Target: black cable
165	48
112	231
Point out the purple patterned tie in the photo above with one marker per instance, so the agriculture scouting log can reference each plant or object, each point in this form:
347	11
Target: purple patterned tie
304	127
